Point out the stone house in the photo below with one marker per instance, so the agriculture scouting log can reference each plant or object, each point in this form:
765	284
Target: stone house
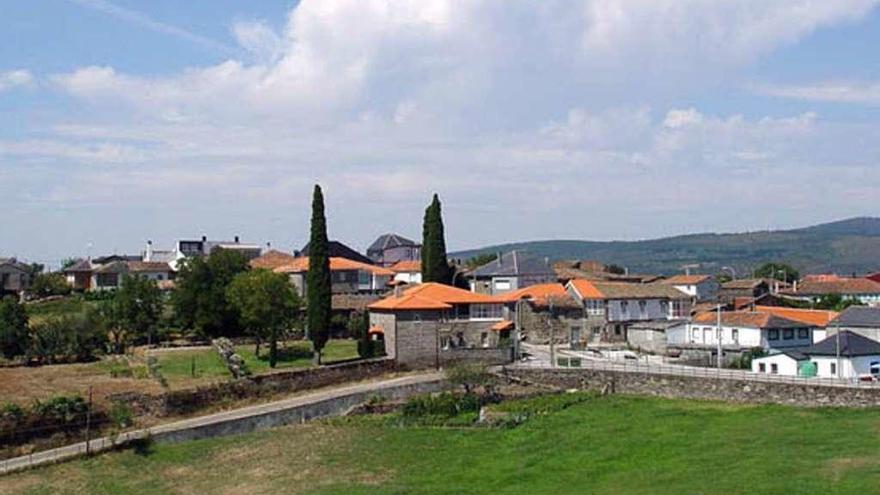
545	312
424	324
610	308
389	249
15	276
511	271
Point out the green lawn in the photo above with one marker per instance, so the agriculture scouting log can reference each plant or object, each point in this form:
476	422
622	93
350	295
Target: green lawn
606	445
58	307
177	366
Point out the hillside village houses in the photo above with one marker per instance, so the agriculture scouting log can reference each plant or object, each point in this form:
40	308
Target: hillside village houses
862	320
866	291
699	287
846	355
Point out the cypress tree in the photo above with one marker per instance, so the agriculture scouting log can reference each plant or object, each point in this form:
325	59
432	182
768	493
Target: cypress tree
318	280
435	266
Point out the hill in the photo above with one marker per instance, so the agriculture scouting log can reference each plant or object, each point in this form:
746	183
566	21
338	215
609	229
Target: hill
842	247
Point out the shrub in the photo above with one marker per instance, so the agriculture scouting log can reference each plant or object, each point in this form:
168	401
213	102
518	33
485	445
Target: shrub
62	410
68	338
445	404
49	284
13	328
468	376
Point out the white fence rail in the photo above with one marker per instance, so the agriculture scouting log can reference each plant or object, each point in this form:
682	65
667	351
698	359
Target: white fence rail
574	362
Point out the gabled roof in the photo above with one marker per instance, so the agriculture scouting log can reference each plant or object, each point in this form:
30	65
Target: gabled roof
79	266
113	267
515	263
743	283
540	295
843	286
814	317
850	345
685	279
301	264
432	295
590	289
748	319
18	265
406	266
388	241
858	316
272	259
339	250
148	266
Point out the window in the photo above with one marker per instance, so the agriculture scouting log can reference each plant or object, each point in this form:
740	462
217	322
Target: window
788	334
762	368
694	333
734	335
459	339
773	335
618	329
643	309
834	369
363	278
485	312
679	309
624	308
803	333
664	308
502	284
445	342
774	369
595	307
597	330
484	339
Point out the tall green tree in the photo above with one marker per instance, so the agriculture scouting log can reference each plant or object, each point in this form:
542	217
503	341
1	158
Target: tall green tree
778	271
318	288
435	265
199	299
134	311
267	306
14	336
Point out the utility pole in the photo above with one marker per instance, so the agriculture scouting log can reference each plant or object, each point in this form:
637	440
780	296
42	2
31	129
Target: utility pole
718	308
837	342
89	421
552	334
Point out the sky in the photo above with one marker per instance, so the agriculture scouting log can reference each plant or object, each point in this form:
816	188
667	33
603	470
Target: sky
123	121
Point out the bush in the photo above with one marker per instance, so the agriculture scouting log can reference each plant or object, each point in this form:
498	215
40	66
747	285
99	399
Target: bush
49	284
68	338
468	376
62	410
445	404
13	328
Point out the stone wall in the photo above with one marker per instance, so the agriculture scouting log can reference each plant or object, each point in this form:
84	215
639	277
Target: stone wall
537	326
191	400
490	356
695	387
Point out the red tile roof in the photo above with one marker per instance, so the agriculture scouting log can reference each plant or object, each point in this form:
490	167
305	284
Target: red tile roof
540	294
301	264
272	259
844	286
502	325
432	296
819	318
406	266
685	279
590	289
749	319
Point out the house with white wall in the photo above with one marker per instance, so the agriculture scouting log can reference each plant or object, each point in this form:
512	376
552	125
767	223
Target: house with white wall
407	271
699	287
741	330
846	356
862	320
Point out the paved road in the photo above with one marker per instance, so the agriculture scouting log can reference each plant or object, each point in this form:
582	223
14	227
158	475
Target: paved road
105	443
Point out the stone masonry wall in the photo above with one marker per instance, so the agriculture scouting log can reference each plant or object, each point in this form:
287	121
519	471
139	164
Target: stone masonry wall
536	326
694	387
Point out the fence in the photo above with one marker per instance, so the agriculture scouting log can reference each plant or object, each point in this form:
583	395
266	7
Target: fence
569	361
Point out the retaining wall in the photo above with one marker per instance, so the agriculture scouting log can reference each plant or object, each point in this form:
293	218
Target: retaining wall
699	387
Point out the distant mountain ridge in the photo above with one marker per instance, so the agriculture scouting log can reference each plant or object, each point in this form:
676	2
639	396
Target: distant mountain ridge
843	247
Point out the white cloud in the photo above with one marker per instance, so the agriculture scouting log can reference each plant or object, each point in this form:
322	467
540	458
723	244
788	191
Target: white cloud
836	92
518	112
14	78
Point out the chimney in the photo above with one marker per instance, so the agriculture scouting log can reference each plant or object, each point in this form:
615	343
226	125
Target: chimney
397	290
204	238
498	257
148	255
236	239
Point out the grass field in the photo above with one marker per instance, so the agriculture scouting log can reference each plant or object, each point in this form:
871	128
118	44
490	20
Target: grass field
177	366
605	445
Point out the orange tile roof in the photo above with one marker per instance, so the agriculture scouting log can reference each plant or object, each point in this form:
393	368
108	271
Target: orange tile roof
817	317
432	295
502	325
406	266
844	286
750	319
272	259
301	264
586	289
375	329
685	279
540	294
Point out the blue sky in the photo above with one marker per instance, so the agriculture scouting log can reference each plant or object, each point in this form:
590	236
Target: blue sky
122	121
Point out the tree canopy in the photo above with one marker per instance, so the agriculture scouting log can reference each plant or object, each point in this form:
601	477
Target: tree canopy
318	284
435	265
267	306
778	271
134	311
14	334
200	297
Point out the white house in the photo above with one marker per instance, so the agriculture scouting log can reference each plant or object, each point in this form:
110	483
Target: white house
407	271
849	357
741	330
699	287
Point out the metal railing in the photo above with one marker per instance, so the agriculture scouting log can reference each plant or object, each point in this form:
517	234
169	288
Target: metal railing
569	361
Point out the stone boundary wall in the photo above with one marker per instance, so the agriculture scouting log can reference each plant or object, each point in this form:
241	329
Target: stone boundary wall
487	356
190	400
296	410
698	387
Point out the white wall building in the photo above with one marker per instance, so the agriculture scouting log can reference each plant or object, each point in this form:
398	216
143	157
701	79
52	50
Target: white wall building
850	356
741	329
